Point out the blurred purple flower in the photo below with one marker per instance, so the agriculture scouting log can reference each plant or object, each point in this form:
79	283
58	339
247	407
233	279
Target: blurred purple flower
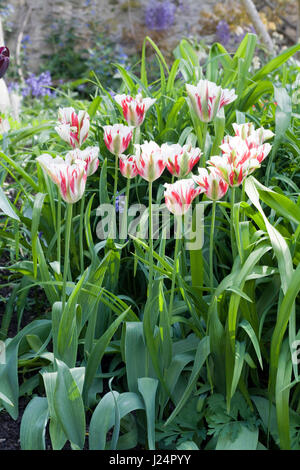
159	15
223	32
38	85
13	86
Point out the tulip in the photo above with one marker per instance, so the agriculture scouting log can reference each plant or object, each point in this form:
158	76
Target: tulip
4	60
70	178
248	133
239	159
239	150
149	160
134	109
214	186
89	156
71	127
180	195
117	138
207	99
128	166
180	160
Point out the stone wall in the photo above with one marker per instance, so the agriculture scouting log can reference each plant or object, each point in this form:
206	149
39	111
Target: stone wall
123	20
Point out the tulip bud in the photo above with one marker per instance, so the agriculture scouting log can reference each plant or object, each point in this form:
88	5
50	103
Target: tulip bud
150	161
71	127
213	185
69	178
89	156
117	138
128	166
180	195
180	160
207	99
4	60
134	109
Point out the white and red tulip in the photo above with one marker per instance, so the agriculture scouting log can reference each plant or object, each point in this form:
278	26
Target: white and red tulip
117	138
180	195
72	127
211	182
149	160
248	132
134	109
69	178
180	160
239	159
240	150
89	156
128	166
207	99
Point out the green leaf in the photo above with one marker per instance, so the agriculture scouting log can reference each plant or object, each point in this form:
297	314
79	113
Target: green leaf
98	352
246	440
68	406
103	418
7	207
148	387
92	109
202	353
33	424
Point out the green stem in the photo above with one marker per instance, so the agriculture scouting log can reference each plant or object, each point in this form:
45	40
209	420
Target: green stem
232	235
136	135
58	229
81	233
177	240
67	251
116	178
211	247
150	242
243	198
125	213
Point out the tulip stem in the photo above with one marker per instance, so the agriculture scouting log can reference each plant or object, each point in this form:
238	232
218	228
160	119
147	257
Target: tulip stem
81	233
67	249
150	242
116	180
232	235
124	225
177	239
211	247
137	134
58	229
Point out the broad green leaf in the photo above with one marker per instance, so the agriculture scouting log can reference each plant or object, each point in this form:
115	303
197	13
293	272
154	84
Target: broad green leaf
148	387
33	424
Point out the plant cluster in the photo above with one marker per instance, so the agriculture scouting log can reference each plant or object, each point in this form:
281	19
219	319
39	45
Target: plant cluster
144	338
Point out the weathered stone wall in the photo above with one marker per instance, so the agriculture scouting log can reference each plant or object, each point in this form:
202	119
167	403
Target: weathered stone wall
124	20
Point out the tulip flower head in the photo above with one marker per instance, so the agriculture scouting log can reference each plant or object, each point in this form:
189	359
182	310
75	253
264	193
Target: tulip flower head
89	156
70	178
149	160
213	185
128	166
253	136
207	99
134	109
73	128
117	138
239	159
180	195
180	160
4	60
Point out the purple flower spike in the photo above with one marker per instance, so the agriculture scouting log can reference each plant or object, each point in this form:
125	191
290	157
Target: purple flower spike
4	60
159	15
